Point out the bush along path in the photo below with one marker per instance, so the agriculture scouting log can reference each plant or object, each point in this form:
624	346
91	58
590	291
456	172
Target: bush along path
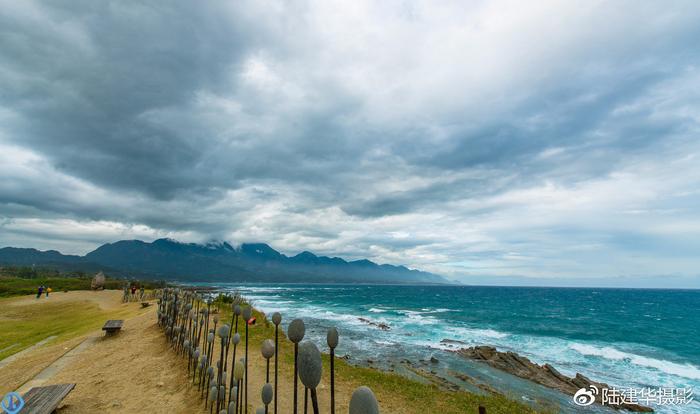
192	329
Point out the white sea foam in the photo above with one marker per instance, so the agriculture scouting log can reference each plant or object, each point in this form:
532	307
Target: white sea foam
417	317
490	333
668	367
471	334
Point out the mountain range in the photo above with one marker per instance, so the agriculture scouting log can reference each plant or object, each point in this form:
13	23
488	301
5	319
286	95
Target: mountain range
217	262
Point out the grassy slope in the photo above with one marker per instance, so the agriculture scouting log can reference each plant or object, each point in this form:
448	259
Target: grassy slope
24	325
15	286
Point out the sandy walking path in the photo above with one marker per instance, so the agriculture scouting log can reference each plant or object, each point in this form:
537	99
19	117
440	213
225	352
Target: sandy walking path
136	371
130	372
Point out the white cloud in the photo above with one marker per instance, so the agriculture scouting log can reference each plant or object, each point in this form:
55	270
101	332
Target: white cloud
545	139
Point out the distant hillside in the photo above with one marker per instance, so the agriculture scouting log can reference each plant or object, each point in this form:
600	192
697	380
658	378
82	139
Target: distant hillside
218	262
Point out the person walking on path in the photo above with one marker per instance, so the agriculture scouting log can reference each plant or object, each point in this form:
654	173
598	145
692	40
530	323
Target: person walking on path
48	290
41	290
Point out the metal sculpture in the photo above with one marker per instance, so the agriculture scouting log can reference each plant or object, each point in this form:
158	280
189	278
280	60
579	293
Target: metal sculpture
332	340
236	339
295	333
247	315
267	349
266	395
363	401
223	332
238	374
310	368
276	319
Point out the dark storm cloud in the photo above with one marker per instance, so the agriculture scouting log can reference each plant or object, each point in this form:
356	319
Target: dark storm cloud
435	138
87	74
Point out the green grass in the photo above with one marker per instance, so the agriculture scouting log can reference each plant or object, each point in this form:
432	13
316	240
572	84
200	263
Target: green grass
15	286
24	325
17	281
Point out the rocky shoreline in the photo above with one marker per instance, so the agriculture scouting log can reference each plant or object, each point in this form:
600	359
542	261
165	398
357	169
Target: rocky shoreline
545	375
380	325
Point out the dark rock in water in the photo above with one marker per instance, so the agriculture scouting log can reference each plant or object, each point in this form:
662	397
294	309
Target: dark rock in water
466	378
380	325
452	342
434	360
546	374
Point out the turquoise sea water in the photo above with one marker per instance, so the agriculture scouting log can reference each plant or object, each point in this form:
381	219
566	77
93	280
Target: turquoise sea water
625	337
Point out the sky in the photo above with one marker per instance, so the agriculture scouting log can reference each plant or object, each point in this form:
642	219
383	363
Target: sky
496	142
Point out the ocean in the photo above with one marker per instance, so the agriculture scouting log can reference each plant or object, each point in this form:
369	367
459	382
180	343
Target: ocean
628	338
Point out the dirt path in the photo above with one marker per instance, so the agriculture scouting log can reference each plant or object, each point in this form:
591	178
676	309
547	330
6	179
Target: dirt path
47	374
136	371
130	372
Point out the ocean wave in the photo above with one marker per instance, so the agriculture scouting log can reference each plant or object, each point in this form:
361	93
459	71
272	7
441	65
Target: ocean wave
490	333
417	318
668	367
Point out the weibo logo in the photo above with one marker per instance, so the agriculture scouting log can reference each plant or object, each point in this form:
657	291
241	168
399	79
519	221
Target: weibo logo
585	396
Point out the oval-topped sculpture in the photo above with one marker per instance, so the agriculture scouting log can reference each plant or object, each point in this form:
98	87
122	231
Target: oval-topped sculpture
267	349
310	365
237	309
239	370
363	401
276	318
224	331
236	338
266	393
296	330
247	313
332	337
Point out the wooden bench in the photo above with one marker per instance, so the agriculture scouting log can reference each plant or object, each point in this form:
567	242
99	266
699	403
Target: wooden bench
113	325
44	400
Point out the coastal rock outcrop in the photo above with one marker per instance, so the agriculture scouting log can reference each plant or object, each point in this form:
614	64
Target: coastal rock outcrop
546	374
380	325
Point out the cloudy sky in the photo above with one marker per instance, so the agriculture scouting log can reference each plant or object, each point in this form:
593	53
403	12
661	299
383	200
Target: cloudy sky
489	141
